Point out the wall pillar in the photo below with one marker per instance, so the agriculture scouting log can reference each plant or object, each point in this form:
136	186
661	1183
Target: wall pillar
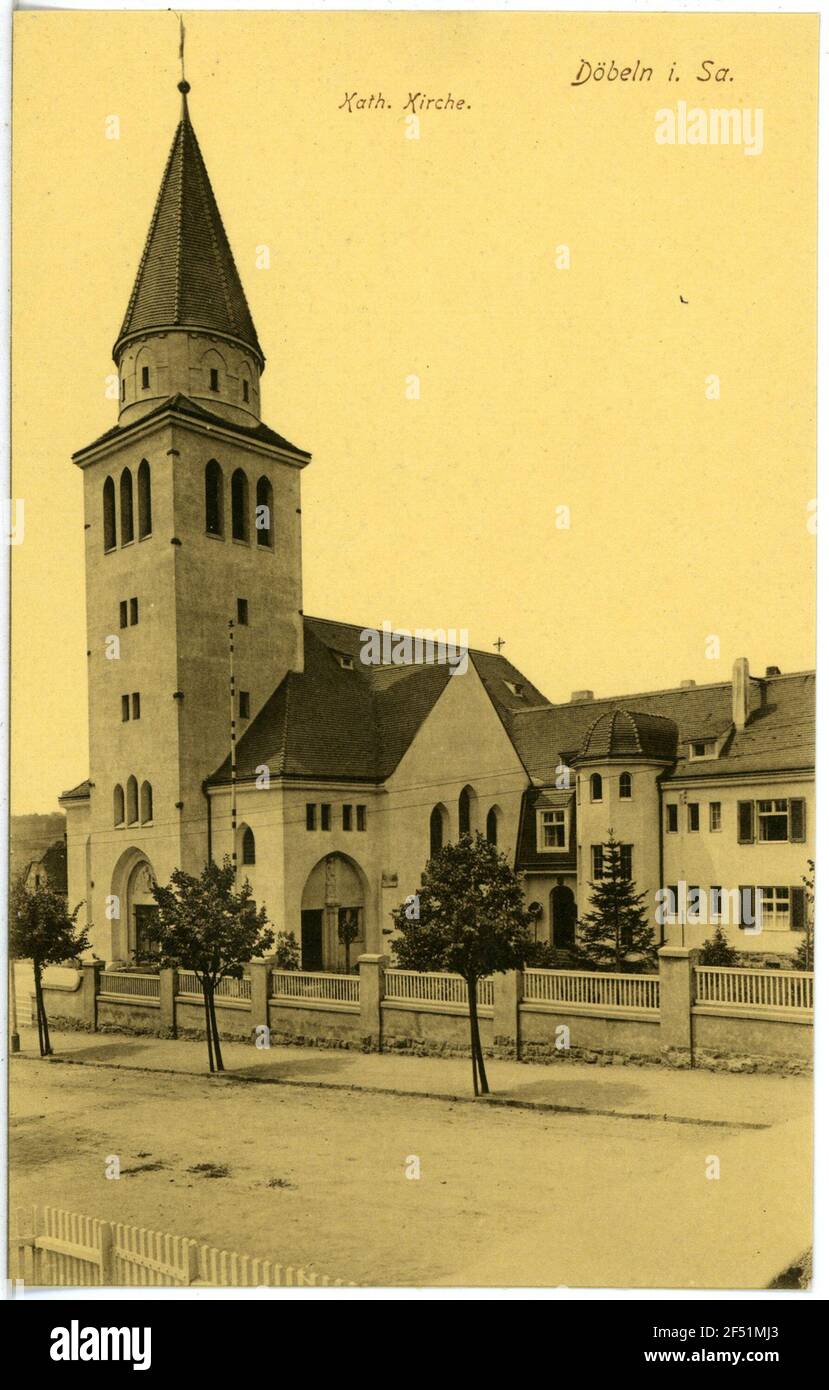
372	992
508	993
167	991
260	990
90	983
676	998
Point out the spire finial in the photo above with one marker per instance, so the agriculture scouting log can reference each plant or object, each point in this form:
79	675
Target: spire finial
184	85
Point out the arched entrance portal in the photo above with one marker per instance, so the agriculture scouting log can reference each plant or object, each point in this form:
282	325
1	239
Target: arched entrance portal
132	905
333	908
563	916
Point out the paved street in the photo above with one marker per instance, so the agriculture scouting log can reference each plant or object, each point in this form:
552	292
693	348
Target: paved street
316	1175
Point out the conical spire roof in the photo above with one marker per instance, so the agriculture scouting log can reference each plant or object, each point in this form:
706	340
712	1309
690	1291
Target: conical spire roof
187	276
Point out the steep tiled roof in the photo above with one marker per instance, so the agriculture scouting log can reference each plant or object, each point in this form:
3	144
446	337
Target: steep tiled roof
779	733
187	276
182	405
329	722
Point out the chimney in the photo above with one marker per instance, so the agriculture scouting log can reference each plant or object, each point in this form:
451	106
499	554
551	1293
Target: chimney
687	685
739	692
772	670
580	695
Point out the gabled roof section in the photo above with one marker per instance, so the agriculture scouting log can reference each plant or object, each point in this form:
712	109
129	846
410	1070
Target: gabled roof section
187	276
79	793
191	410
332	723
779	733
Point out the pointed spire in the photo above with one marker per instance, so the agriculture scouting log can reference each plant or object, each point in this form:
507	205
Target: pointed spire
187	277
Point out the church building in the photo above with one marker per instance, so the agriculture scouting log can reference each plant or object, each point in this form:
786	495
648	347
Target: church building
346	775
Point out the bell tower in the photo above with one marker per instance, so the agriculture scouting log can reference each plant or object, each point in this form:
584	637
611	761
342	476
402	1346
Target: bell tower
192	520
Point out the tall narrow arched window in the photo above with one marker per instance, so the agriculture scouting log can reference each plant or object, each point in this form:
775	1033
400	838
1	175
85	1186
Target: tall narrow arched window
492	825
596	786
214	501
437	825
132	801
239	505
145	500
625	787
264	512
146	803
110	538
248	846
127	526
118	804
465	809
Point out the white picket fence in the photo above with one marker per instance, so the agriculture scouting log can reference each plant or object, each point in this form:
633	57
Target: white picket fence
433	987
128	984
731	989
593	990
62	1249
190	988
300	984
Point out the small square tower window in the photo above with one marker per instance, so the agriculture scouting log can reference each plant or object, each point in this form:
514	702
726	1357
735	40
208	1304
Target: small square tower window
244	704
125	707
214	378
242	612
123	609
325	815
133	612
361	817
310	816
347	817
673	816
145	378
136	705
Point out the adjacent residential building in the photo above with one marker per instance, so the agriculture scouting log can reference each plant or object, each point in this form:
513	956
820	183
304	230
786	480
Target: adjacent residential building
347	772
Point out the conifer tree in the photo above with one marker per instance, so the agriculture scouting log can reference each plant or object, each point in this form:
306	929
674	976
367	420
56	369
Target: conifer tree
617	926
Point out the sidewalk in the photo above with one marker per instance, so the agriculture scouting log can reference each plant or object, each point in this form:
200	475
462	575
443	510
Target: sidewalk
746	1100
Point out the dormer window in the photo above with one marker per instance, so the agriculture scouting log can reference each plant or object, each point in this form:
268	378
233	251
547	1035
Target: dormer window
347	662
214	378
551	829
515	688
702	748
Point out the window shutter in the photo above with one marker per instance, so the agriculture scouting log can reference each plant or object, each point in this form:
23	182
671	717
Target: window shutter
745	822
797	819
798	909
747	902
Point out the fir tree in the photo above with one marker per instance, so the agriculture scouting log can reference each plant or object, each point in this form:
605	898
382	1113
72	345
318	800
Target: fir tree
617	927
716	950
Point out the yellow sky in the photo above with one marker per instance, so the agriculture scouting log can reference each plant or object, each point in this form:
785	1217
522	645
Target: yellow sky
391	257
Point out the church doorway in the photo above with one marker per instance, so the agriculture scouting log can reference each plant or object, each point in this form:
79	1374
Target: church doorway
563	914
333	915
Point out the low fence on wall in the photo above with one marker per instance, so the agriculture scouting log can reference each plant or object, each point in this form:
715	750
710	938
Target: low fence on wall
61	1249
686	1014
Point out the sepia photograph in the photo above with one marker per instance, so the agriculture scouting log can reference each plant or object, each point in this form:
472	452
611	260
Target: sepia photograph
412	539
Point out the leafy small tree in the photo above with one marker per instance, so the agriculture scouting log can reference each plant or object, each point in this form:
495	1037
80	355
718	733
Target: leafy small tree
469	919
206	926
617	927
348	930
804	957
716	950
286	951
43	930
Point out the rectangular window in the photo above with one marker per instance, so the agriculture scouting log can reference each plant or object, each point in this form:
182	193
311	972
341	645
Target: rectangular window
145	378
673	817
797	819
699	750
214	378
552	829
242	612
773	820
125	707
716	902
361	817
670	908
694	900
597	860
136	705
776	908
745	822
310	816
133	612
626	860
123	609
325	815
244	704
693	815
245	390
347	817
714	815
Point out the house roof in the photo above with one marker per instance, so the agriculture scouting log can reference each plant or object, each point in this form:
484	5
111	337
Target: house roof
187	276
78	793
779	733
332	723
631	734
191	410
